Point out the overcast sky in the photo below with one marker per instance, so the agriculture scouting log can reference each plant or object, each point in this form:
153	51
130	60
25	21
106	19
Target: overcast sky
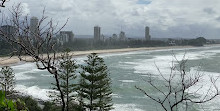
166	18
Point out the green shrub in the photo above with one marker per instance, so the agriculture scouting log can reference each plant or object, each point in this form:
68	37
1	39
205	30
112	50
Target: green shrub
49	106
6	105
31	104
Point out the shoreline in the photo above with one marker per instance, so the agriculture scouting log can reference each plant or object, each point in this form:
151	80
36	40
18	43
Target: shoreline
14	60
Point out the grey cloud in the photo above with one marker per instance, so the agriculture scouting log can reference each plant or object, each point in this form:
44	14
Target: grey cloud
135	12
209	11
187	31
218	19
166	19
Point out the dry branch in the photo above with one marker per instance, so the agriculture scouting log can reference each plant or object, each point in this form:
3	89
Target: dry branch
176	90
3	2
37	44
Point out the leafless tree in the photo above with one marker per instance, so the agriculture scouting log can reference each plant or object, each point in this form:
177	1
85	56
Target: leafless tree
36	46
177	88
3	2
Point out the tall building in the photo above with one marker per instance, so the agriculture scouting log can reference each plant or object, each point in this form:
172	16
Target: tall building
33	26
122	36
114	37
65	36
33	29
147	33
103	37
97	33
7	30
68	34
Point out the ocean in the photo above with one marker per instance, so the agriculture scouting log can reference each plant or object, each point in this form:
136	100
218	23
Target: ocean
130	69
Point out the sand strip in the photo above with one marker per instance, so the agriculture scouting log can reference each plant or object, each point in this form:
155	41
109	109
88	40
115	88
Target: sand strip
15	60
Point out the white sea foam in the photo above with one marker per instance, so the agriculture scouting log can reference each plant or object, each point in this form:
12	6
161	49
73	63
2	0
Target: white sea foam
125	65
34	91
46	75
200	55
23	76
140	52
164	62
121	53
205	81
115	95
126	107
26	66
80	59
130	63
149	66
127	80
204	87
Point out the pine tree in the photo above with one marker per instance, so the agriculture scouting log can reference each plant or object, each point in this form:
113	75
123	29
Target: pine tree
67	76
80	92
95	84
7	80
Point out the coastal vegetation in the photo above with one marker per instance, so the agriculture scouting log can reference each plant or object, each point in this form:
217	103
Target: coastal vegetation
7	80
93	92
7	92
67	76
95	85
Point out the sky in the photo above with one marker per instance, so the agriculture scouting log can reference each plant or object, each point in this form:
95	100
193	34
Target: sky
166	18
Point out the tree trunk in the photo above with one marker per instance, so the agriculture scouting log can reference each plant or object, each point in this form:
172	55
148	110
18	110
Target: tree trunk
59	89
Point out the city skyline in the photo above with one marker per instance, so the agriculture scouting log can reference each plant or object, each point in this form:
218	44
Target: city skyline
176	18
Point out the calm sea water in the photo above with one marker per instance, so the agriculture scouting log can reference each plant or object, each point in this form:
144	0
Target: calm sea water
129	69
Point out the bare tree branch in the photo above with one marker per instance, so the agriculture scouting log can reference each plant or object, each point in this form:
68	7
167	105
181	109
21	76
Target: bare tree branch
177	87
35	45
3	2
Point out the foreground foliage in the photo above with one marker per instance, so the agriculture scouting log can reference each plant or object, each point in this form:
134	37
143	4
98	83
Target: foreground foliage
67	76
12	105
7	80
5	104
94	88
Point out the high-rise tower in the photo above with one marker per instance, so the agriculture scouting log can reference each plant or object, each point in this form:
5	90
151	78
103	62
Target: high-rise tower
7	30
97	33
147	33
33	26
34	29
122	36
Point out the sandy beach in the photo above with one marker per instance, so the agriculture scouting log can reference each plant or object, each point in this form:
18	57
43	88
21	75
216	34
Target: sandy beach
15	60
